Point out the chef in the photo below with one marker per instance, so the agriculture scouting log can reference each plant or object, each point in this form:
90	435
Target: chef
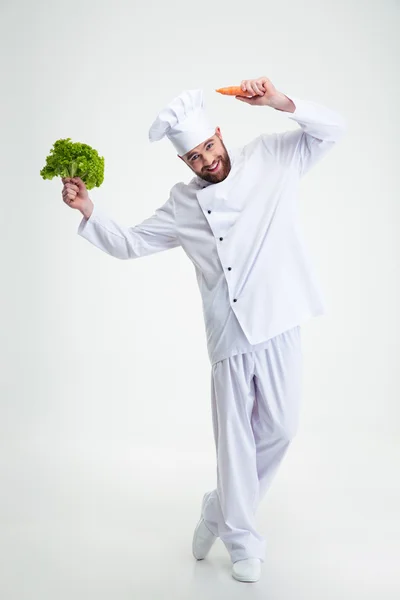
237	220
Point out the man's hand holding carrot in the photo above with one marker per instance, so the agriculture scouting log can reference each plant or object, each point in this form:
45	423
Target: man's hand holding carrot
264	93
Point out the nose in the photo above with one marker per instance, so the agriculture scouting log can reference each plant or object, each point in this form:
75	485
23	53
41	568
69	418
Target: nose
211	160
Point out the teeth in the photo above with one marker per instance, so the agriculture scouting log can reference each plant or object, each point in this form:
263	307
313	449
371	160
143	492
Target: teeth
212	169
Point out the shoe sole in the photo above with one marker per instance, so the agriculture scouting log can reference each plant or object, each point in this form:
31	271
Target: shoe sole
195	532
194	537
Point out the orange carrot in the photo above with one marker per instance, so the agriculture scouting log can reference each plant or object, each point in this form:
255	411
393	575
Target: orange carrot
234	90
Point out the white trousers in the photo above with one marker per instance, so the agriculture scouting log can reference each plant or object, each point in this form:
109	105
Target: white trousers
255	401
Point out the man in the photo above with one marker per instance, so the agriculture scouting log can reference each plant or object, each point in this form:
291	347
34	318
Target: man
237	220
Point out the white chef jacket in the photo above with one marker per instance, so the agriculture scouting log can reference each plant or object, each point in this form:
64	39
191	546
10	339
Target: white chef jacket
242	235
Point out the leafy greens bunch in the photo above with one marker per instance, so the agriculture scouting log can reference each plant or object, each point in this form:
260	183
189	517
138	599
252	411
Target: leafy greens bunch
74	159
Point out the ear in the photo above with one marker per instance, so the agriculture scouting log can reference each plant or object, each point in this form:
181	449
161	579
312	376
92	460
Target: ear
218	132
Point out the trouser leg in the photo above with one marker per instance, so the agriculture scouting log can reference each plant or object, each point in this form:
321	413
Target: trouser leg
229	510
275	419
255	409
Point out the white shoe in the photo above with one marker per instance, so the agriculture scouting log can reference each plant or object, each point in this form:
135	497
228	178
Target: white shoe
203	538
248	569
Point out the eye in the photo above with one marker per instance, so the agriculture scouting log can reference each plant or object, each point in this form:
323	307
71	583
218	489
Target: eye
195	156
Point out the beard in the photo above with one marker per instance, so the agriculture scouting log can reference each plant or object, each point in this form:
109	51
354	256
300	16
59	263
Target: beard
222	172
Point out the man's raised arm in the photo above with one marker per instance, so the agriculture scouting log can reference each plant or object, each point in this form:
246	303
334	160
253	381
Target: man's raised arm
321	128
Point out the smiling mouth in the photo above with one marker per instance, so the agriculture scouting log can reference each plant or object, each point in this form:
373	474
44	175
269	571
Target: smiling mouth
216	166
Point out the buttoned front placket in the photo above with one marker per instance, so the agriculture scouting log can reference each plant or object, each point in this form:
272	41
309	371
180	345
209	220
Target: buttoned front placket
221	244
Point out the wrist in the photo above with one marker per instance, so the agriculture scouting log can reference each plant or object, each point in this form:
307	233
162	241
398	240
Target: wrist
88	209
282	102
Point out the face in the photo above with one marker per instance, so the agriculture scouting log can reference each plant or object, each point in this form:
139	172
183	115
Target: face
210	153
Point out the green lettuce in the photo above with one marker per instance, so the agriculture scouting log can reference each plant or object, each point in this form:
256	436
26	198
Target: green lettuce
74	159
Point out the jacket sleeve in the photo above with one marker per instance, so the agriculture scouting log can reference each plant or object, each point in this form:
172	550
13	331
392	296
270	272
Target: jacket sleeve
320	130
155	234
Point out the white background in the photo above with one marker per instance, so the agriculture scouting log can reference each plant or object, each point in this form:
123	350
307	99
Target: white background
106	437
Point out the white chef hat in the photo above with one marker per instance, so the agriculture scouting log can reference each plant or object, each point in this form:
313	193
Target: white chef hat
183	121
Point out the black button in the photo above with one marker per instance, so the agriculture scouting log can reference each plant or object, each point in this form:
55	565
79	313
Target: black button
235	300
229	268
209	212
220	239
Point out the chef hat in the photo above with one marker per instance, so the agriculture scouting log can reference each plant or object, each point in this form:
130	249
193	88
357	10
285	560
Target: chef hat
183	121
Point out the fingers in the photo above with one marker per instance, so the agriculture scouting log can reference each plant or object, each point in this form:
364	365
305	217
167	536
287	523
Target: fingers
76	180
69	191
258	88
74	188
263	81
245	85
254	87
68	195
71	186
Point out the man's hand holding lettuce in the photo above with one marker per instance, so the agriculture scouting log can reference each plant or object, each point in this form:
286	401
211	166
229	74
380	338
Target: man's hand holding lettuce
80	168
